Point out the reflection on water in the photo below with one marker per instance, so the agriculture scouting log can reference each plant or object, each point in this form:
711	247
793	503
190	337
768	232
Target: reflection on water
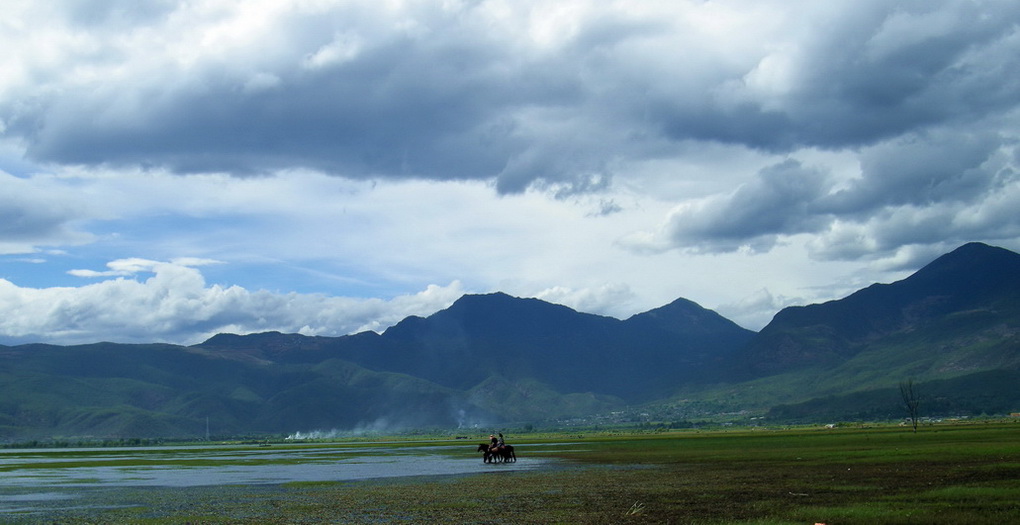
46	475
41	483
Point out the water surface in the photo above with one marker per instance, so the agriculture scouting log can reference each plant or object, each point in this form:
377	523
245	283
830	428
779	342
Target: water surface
28	477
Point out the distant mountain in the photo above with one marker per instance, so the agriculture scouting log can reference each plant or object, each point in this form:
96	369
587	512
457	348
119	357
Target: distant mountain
481	336
953	326
971	292
486	358
988	392
109	390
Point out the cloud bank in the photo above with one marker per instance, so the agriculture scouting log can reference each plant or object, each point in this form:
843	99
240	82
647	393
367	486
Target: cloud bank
612	155
175	304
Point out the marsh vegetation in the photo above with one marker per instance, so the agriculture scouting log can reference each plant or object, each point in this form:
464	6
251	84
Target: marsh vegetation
948	473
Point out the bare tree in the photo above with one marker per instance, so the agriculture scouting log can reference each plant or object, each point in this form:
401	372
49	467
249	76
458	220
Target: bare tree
911	399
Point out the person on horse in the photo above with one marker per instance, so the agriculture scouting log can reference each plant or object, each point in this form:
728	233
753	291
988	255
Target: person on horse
493	443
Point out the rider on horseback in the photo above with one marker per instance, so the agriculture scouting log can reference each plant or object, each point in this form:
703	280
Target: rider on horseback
496	450
495	445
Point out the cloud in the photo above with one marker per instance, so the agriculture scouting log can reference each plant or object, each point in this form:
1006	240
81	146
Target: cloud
857	73
175	304
777	202
517	93
921	170
31	216
612	156
135	265
757	309
938	189
603	298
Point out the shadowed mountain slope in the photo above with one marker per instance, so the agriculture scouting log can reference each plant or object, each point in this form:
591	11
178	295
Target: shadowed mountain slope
971	291
954	326
480	336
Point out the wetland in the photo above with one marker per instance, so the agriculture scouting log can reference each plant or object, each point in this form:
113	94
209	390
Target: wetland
949	473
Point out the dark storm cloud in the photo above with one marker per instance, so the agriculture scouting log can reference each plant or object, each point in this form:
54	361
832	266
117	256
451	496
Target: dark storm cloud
919	88
777	202
908	66
454	101
927	192
939	167
938	189
872	71
926	93
31	218
883	132
397	110
445	104
20	223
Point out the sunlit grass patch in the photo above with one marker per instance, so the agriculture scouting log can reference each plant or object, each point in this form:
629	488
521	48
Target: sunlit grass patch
994	500
308	484
940	476
867	512
973	494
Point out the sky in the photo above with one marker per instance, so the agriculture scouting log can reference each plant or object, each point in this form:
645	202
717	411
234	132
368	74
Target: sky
170	170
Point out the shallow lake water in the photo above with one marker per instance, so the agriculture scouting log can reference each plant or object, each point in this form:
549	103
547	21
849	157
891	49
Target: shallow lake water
28	477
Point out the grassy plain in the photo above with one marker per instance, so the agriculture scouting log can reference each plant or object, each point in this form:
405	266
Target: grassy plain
946	473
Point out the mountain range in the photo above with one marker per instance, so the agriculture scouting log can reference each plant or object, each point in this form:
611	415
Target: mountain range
491	360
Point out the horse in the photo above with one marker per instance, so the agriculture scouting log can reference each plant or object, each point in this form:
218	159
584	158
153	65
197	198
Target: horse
504	454
487	456
507	452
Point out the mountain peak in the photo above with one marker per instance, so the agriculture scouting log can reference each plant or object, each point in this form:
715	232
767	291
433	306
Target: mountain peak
975	279
681	307
974	263
487	300
698	327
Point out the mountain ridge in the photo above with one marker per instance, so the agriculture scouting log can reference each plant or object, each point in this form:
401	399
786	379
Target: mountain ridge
491	359
831	332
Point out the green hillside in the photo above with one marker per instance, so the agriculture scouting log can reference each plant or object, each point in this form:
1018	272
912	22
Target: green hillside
953	328
121	391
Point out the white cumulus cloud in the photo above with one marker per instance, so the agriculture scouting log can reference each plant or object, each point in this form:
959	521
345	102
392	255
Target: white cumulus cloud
175	304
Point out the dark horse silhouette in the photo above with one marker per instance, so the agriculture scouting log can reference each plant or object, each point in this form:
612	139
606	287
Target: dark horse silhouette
504	455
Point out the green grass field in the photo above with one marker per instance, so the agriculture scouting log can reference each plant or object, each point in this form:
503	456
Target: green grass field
946	473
